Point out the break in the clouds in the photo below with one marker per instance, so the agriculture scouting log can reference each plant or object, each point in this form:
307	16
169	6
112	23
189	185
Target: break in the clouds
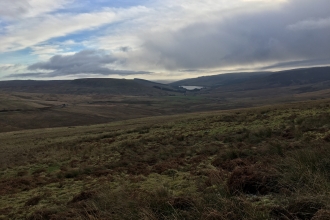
161	39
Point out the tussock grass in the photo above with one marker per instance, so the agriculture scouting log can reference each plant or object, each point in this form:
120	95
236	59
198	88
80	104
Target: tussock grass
260	163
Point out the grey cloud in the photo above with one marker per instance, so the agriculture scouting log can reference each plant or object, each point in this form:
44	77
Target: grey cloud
13	8
246	38
9	68
124	49
55	74
25	75
85	62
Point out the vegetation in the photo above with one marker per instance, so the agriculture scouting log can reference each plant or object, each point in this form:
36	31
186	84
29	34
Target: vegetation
270	162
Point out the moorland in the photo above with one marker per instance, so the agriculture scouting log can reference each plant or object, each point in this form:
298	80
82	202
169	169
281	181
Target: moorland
246	146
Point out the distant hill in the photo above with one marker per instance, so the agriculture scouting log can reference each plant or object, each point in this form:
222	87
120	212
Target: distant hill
88	86
261	80
160	86
319	77
299	76
304	80
220	80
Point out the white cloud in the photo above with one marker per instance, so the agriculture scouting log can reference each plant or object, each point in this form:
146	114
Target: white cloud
166	36
13	9
162	23
249	34
39	7
34	31
45	52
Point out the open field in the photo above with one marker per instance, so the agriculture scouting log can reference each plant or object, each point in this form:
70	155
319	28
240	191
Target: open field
23	110
19	111
268	162
33	104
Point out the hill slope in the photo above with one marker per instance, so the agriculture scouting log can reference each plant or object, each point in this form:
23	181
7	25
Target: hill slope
295	77
220	80
260	80
82	86
259	163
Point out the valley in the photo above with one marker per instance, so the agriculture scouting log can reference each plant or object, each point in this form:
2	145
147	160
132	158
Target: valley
134	149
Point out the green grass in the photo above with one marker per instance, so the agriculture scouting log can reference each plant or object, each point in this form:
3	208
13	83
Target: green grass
257	163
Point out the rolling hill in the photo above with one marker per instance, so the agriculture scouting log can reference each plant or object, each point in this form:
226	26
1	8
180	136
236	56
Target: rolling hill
260	80
318	77
87	86
40	104
220	80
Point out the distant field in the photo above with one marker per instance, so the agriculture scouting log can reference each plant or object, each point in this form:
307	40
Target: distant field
23	110
268	162
33	110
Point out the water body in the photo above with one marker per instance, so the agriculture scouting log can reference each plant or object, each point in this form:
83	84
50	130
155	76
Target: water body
192	87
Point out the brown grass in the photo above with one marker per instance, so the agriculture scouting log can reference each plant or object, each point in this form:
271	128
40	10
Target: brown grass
260	163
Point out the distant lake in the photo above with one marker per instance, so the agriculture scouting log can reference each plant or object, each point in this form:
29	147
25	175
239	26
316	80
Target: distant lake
192	87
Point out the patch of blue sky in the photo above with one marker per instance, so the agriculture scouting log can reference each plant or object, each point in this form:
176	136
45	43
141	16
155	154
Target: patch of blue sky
115	3
24	57
80	38
74	48
96	5
77	37
3	26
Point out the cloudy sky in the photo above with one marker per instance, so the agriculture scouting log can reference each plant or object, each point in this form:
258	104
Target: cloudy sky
159	39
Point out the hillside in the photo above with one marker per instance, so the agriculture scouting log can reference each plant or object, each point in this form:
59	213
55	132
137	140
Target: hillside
309	79
43	104
318	77
300	76
283	86
262	80
19	110
164	87
220	80
82	87
269	162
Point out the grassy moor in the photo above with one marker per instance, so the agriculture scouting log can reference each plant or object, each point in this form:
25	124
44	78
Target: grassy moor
269	162
135	149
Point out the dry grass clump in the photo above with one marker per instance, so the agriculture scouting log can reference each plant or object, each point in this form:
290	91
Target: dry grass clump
253	180
322	214
299	209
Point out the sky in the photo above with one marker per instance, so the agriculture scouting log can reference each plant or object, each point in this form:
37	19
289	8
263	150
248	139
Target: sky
159	39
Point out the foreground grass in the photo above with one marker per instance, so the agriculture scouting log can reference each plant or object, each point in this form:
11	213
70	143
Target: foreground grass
261	163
